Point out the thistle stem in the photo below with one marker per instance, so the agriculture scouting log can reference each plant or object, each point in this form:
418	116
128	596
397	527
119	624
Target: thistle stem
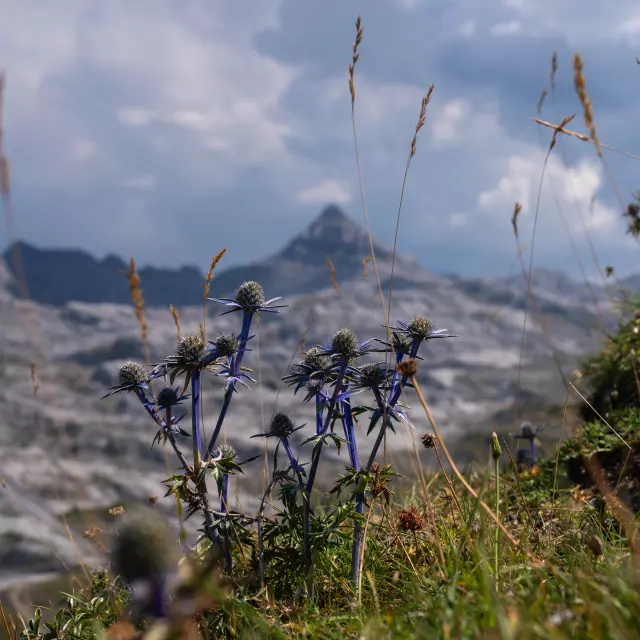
350	434
165	425
318	415
235	367
383	411
195	419
216	431
292	460
172	440
311	479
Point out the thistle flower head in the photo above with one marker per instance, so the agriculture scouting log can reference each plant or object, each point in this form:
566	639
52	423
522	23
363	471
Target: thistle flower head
401	343
314	387
143	548
169	397
527	431
250	295
372	375
315	365
315	359
131	374
345	343
281	426
420	328
190	349
225	451
226	345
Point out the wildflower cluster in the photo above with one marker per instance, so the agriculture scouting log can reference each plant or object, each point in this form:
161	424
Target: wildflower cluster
332	376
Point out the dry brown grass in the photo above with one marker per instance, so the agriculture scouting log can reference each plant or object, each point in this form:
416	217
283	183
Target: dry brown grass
176	320
559	128
332	274
580	84
207	283
138	307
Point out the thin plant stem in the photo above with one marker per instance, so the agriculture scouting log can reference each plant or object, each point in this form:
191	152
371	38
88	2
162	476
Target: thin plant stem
496	470
315	460
459	475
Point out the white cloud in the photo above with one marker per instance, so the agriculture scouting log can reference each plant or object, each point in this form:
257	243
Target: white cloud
145	182
448	121
457	220
579	23
136	116
506	28
569	188
467	28
458	123
81	150
325	192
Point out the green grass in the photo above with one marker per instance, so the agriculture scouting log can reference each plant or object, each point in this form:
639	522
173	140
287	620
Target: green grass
431	556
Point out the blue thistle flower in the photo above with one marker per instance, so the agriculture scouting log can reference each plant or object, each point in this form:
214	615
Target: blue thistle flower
249	298
170	397
528	432
282	427
345	346
131	377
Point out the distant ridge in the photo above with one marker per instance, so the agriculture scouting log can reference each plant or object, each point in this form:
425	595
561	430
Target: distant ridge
58	276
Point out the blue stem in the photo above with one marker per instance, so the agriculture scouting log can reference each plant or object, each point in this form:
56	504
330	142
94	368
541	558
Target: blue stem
292	460
396	392
195	419
142	396
223	412
383	411
311	479
235	367
318	414
350	434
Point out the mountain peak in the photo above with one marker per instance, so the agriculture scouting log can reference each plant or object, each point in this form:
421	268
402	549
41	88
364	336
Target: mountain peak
332	214
333	233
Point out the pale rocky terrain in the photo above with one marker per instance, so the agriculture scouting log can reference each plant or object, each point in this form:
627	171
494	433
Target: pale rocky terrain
64	449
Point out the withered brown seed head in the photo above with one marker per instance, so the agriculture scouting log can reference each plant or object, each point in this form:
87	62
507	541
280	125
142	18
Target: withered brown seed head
408	367
410	519
429	441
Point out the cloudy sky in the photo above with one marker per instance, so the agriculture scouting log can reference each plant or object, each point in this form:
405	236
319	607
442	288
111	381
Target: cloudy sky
167	130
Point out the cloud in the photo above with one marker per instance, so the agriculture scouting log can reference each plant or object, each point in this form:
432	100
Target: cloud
325	192
506	28
185	125
143	183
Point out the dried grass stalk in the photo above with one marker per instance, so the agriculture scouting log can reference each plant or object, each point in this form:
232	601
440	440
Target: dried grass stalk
581	88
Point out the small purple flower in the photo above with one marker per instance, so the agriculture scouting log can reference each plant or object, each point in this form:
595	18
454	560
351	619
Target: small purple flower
528	433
